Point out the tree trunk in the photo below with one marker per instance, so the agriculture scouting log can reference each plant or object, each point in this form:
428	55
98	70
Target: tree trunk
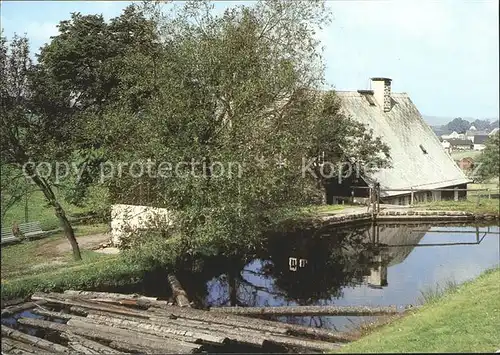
60	214
26	199
233	294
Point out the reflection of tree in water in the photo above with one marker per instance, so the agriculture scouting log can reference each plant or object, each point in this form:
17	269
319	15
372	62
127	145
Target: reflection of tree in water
335	259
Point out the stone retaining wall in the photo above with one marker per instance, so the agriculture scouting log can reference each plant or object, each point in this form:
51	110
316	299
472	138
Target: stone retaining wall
405	215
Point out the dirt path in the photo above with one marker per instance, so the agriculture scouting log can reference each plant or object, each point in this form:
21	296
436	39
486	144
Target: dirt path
85	242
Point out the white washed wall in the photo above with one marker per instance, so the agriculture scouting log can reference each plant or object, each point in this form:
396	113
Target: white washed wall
127	217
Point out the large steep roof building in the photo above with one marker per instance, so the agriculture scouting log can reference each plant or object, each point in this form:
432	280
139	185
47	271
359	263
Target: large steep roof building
418	158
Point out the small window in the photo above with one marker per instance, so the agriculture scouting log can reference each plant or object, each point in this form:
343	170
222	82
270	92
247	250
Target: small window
423	149
369	98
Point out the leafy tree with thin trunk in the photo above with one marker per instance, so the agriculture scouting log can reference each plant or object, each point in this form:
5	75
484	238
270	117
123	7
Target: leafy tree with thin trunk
29	134
241	90
14	187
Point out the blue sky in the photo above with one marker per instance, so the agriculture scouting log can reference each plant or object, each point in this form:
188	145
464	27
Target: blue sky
443	53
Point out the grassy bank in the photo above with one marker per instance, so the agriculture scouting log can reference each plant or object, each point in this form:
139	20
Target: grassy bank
39	210
46	254
47	262
46	265
90	273
464	319
489	206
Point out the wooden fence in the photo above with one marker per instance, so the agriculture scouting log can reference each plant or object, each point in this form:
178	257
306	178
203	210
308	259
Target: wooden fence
375	192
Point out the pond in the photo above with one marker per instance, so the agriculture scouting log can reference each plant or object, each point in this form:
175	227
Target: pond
362	265
368	264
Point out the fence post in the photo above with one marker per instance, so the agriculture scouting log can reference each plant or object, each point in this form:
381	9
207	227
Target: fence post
378	198
373	201
369	198
489	193
455	193
412	196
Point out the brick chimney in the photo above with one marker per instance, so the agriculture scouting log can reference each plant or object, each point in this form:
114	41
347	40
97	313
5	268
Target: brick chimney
382	92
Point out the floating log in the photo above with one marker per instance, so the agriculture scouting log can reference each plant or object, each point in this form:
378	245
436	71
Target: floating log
12	302
256	324
57	299
89	344
121	336
130	348
8	348
201	331
171	331
79	348
91	294
7	311
32	340
116	298
153	328
60	315
174	329
196	330
309	310
179	293
14	346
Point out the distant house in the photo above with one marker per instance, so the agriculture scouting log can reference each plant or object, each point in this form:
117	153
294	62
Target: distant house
472	131
418	159
479	141
445	144
453	135
460	144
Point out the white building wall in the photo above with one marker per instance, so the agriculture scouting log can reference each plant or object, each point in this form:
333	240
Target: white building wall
128	218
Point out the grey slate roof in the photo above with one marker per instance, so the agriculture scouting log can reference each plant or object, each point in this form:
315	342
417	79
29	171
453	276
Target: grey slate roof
480	139
404	130
459	142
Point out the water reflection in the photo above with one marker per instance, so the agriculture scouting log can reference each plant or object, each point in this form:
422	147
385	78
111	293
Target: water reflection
367	264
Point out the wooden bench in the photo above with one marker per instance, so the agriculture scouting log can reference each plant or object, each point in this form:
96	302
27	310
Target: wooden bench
29	230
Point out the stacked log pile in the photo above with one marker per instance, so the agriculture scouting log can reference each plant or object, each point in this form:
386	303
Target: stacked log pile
109	323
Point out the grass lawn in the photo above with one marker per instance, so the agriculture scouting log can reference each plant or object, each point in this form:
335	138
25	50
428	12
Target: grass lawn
474	154
38	210
314	210
45	254
92	272
470	205
466	319
47	265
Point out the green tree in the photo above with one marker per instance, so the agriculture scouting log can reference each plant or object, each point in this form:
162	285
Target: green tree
100	67
14	187
242	87
489	161
458	125
29	134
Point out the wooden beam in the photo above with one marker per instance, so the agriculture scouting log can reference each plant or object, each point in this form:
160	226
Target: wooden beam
126	337
7	311
309	310
179	293
32	340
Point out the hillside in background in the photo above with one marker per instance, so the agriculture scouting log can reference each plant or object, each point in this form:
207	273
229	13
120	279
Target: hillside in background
446	125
